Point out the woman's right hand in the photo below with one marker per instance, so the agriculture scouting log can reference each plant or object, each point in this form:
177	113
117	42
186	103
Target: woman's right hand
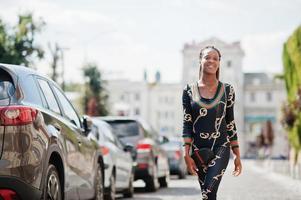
191	167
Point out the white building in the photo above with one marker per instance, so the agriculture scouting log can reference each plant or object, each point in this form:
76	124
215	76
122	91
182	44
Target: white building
158	103
264	96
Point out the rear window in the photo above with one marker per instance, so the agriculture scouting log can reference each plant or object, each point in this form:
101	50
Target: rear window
7	89
125	128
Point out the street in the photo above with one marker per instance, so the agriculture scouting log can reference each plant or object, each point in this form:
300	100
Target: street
253	184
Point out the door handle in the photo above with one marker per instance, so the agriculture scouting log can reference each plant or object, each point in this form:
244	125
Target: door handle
79	141
57	126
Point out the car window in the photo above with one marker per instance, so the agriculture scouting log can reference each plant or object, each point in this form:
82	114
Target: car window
49	96
7	89
32	93
94	131
67	107
108	133
125	128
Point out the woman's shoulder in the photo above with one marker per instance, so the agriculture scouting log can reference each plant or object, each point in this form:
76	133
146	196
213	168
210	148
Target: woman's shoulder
228	86
189	86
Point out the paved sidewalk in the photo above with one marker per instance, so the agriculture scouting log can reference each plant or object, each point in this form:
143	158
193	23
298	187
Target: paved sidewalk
258	184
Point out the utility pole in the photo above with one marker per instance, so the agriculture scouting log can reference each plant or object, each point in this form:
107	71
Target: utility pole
62	49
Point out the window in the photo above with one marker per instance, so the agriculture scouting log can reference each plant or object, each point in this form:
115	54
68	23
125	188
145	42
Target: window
32	92
269	96
137	111
137	96
252	97
69	111
49	96
108	133
229	63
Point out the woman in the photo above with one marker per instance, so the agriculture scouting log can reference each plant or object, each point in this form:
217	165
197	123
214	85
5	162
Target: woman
209	123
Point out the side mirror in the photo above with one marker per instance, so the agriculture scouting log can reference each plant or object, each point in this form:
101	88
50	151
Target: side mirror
163	139
128	147
87	123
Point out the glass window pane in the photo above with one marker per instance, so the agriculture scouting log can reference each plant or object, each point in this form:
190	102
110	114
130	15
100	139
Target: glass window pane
68	109
49	96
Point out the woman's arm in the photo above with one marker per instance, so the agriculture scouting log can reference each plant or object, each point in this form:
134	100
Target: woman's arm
232	132
187	131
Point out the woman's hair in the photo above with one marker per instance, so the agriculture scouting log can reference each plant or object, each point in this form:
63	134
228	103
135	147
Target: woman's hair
202	53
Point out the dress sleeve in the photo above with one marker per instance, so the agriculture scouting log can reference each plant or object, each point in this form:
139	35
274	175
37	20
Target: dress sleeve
187	114
231	127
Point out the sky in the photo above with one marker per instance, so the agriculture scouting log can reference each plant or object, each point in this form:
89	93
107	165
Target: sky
126	37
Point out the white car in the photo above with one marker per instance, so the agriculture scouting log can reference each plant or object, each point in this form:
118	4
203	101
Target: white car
118	176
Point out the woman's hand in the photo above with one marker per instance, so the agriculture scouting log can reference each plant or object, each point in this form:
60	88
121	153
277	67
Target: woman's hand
237	167
191	167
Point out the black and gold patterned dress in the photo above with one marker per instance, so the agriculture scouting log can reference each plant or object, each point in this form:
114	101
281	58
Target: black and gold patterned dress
210	123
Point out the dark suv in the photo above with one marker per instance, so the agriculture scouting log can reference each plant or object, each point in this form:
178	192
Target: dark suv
151	159
44	151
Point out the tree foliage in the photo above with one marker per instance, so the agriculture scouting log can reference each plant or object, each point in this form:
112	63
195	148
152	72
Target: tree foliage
18	43
292	77
95	99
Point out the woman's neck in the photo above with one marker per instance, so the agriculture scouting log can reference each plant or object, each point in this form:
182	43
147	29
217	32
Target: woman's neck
208	80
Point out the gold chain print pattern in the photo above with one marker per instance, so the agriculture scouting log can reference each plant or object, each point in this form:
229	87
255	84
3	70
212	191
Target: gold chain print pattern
187	117
230	97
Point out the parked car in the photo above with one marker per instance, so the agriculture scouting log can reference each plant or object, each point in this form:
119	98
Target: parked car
151	160
175	155
44	151
117	158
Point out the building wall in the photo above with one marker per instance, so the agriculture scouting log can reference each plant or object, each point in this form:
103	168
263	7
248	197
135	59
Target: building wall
264	97
158	103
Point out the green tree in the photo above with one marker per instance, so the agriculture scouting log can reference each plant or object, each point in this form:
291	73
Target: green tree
95	99
18	43
292	77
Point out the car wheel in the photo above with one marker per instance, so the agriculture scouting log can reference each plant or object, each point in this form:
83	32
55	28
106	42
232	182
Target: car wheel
52	189
130	190
99	187
112	189
151	183
182	174
164	180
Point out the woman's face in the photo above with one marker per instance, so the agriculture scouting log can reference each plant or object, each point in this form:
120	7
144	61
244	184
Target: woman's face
210	61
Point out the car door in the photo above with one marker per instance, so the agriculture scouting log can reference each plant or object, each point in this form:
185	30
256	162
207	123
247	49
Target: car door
119	156
125	163
85	160
66	134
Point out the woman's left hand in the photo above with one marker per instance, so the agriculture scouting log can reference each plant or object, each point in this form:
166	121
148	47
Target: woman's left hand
237	167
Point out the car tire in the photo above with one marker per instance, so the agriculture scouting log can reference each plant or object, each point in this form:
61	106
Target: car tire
99	185
182	174
164	180
151	183
52	188
110	195
129	192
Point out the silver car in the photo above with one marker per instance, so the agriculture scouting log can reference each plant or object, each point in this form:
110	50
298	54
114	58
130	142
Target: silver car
117	158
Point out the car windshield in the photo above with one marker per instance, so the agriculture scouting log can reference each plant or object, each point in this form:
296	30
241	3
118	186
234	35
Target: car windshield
125	128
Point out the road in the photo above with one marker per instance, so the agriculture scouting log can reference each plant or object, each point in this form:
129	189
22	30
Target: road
254	183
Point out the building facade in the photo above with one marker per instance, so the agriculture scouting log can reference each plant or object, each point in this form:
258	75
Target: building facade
264	96
158	103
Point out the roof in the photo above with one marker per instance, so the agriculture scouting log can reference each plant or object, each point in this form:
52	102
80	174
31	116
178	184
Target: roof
256	78
18	69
